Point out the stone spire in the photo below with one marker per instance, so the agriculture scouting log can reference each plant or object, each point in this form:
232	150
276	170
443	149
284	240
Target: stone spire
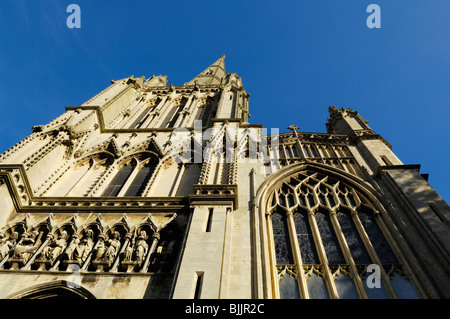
211	75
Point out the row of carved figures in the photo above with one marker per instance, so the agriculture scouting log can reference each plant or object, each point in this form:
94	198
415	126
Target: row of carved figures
140	250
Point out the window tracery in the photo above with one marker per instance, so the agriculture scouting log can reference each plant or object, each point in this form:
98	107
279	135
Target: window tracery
337	155
338	235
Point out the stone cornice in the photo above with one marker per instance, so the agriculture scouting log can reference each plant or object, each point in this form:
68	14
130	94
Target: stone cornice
215	194
382	169
14	176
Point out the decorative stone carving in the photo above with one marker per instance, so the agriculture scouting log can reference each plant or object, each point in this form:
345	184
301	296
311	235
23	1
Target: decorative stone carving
25	248
136	252
7	243
54	248
107	251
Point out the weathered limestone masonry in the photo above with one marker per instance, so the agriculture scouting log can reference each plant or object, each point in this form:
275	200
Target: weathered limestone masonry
150	190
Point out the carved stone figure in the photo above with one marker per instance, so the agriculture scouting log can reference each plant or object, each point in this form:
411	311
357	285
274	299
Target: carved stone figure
101	247
7	243
84	247
27	246
113	247
72	246
55	248
141	247
106	251
129	250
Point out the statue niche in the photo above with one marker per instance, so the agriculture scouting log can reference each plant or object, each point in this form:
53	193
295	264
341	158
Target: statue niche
108	249
55	249
136	251
26	247
79	249
166	253
7	243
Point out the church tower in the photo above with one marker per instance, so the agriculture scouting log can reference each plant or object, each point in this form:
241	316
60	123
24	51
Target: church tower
154	190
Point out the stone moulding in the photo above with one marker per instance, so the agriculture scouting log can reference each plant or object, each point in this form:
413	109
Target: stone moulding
15	178
215	194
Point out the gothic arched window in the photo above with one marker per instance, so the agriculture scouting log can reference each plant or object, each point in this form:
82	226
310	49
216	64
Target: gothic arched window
338	235
119	179
132	176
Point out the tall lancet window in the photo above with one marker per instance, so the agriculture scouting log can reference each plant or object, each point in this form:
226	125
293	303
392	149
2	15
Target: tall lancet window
119	179
132	176
326	234
141	179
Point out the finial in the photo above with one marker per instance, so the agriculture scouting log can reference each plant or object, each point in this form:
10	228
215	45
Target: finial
294	129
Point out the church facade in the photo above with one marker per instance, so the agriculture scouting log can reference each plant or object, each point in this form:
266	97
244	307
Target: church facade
150	190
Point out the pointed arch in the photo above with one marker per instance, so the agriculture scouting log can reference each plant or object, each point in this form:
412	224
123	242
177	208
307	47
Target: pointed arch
333	208
60	289
134	172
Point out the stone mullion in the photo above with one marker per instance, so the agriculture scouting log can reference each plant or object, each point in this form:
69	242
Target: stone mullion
176	183
348	256
322	255
152	180
373	255
129	180
297	256
274	277
156	236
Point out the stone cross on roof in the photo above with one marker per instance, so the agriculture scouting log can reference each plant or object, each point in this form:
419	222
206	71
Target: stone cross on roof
293	128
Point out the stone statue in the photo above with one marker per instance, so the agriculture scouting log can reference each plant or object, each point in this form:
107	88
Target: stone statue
129	250
141	247
101	247
7	243
84	247
113	247
72	246
27	246
55	248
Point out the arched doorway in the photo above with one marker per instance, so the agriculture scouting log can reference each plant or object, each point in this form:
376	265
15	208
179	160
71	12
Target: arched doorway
54	290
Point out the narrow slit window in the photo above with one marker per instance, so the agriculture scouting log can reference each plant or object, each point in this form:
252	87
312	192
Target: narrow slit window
198	285
385	160
209	222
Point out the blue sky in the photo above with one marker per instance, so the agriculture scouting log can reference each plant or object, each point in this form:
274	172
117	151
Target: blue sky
295	57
